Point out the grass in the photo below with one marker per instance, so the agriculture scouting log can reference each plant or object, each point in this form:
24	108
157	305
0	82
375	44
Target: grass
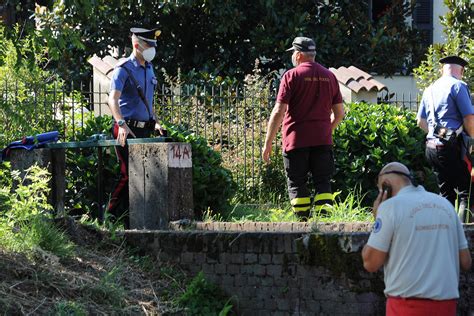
108	288
67	308
348	209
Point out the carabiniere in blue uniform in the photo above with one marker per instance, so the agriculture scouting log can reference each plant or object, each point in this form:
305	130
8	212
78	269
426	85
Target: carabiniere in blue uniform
131	101
131	104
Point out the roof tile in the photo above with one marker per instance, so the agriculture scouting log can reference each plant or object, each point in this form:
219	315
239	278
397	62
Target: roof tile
356	79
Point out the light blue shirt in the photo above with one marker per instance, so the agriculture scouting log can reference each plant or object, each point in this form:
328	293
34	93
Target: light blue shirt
451	103
131	105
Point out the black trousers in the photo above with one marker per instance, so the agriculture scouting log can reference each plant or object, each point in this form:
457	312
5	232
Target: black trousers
299	164
454	179
119	200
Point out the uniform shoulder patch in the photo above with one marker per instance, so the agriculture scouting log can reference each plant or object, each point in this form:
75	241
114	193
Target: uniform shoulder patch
377	225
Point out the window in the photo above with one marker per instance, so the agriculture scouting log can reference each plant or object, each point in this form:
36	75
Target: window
423	20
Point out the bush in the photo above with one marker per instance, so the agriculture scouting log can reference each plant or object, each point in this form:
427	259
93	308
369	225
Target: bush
372	135
212	183
25	221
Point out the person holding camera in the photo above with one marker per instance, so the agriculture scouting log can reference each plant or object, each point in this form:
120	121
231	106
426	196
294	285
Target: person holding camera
131	103
445	113
419	240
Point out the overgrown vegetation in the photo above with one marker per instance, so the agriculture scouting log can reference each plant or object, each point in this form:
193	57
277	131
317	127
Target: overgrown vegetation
25	220
59	267
27	106
103	277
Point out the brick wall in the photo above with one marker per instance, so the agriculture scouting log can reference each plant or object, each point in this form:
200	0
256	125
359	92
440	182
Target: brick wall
291	272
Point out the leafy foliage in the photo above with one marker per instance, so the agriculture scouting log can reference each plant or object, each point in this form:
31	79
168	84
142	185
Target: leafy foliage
27	106
459	18
372	135
25	221
204	298
227	36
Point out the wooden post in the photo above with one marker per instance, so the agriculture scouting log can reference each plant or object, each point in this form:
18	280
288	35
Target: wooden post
160	184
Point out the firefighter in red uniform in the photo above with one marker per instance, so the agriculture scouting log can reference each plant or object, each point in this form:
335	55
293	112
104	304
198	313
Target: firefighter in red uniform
309	104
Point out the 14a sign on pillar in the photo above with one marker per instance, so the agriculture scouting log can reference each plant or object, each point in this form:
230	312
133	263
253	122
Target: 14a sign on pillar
180	156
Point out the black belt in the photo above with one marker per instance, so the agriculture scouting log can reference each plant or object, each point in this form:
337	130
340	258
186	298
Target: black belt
141	124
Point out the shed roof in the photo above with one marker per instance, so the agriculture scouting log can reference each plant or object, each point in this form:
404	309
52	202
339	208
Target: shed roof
356	79
104	65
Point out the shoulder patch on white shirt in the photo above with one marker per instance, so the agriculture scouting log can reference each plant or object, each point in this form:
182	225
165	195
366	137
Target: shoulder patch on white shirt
377	225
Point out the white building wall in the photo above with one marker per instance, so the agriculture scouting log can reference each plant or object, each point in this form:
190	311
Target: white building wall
346	93
403	86
439	9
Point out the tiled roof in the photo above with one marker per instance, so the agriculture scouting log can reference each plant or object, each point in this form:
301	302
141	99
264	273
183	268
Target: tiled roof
104	65
357	80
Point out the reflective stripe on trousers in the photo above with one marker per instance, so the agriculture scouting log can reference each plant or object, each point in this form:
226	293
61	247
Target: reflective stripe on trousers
301	204
323	201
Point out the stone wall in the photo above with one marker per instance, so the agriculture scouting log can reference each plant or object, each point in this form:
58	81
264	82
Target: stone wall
301	270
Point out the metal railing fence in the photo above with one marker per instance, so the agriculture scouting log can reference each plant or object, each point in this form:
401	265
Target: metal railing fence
233	119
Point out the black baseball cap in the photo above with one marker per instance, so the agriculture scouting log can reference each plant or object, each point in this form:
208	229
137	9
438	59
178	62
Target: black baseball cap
303	44
147	35
456	60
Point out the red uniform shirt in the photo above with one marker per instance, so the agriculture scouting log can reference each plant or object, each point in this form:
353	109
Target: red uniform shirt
310	90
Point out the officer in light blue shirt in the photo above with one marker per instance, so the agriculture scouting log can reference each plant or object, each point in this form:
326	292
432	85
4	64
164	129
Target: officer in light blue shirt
445	112
131	103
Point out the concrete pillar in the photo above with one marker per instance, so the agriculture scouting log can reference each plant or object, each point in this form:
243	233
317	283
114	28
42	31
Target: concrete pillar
160	184
54	160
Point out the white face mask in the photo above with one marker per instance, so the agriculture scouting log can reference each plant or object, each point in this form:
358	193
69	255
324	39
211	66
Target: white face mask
149	53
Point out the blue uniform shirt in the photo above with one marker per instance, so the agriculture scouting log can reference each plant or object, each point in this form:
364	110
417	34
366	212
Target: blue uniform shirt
131	105
451	101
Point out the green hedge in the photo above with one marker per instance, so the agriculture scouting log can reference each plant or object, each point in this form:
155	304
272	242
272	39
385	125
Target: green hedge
370	136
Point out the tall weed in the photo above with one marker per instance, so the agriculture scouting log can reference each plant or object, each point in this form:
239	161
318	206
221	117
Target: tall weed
25	218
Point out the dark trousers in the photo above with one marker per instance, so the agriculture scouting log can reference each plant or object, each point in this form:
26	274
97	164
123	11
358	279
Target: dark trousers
454	179
299	163
119	200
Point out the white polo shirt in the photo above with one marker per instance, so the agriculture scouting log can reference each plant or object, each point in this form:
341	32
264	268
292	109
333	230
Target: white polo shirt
423	235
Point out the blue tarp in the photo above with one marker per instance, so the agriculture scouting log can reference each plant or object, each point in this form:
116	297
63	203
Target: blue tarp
31	142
